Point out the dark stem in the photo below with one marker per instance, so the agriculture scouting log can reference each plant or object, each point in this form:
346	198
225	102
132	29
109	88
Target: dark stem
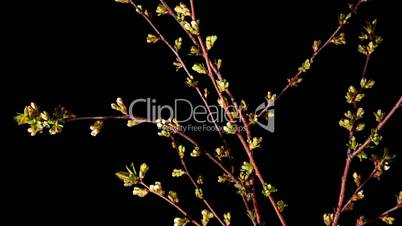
353	155
342	190
181	210
296	76
359	188
386	213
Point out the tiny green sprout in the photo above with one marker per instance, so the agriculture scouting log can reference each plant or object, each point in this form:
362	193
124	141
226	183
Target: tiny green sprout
157	188
243	105
399	198
172	196
143	170
55	128
229	128
375	138
123	1
164	133
38	121
96	128
339	40
346	123
223	85
195	152
192	27
119	106
227	218
182	11
206	217
353	144
361	156
360	127
199	193
305	66
152	39
221	152
178	172
251	215
191	82
349	115
177	65
246	170
344	19
181	150
128	177
161	10
178	221
223	179
388	220
194	51
357	179
254	143
132	122
316	45
328	218
370	41
268	189
358	196
379	115
359	113
281	205
295	81
140	192
210	41
359	97
200	68
218	63
252	118
140	10
366	84
178	43
200	180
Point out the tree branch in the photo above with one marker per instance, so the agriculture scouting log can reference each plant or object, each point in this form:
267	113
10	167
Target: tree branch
181	210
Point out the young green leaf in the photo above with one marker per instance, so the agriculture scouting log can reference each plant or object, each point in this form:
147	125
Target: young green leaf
210	41
200	68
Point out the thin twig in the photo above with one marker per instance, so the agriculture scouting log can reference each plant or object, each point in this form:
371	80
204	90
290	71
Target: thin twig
384	214
352	155
296	76
358	189
175	205
203	198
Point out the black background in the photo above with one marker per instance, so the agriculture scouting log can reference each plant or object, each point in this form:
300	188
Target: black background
84	54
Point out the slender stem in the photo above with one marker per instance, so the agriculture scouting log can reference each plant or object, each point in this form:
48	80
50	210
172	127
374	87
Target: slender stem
297	75
172	13
379	126
204	100
180	59
175	205
364	73
204	200
199	43
386	213
240	136
358	189
192	9
256	207
342	190
353	155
